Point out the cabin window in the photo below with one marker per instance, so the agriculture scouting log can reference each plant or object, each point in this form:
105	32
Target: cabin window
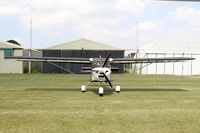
99	63
8	52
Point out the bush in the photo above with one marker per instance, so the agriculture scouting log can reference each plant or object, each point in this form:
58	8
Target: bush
33	70
36	70
25	70
126	70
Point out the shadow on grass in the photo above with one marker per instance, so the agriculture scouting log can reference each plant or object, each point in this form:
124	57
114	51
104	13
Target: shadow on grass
107	90
151	89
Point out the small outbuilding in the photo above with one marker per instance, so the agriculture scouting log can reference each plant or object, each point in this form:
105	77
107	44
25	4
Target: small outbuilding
81	48
10	66
13	66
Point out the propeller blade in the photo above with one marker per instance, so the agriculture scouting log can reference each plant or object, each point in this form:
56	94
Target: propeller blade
106	59
107	79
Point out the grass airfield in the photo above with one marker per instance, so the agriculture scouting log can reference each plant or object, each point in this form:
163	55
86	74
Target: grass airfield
38	103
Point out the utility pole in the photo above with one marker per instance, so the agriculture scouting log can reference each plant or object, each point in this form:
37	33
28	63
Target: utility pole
137	39
137	49
30	41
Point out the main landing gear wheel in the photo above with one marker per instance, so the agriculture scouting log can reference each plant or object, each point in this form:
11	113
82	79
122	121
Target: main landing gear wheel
83	88
100	91
117	89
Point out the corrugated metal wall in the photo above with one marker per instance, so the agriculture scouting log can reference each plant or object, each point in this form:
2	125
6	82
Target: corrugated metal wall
76	68
177	68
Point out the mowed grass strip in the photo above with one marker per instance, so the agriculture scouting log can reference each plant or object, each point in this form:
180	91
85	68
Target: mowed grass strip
54	103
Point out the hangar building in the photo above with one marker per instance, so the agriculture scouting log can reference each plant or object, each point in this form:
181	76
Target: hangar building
174	46
81	48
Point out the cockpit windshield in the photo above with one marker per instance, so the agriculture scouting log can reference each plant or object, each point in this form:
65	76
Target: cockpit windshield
97	62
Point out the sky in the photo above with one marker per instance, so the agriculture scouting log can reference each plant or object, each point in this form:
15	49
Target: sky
112	22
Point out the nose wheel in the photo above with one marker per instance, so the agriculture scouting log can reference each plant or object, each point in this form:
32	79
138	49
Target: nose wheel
83	88
100	91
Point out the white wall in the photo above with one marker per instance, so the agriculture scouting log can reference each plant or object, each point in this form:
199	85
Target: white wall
177	68
10	66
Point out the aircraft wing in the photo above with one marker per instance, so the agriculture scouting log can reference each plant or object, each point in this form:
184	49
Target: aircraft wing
149	60
50	59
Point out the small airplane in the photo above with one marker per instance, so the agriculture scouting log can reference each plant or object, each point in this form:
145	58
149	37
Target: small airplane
100	67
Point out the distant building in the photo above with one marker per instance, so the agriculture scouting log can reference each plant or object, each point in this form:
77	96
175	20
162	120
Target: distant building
13	66
10	66
81	48
173	46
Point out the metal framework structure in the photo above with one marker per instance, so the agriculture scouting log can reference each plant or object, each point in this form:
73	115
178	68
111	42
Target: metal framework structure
184	68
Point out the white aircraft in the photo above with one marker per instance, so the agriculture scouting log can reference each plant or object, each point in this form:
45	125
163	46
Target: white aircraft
100	67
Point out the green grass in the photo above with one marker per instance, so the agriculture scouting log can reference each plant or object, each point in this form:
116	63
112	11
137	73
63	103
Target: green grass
39	103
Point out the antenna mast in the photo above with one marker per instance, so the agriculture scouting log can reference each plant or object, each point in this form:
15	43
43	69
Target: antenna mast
137	41
30	41
137	35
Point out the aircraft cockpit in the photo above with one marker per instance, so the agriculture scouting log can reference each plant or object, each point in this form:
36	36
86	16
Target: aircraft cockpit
98	62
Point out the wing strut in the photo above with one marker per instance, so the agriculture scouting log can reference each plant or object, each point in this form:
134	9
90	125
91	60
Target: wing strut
142	67
61	68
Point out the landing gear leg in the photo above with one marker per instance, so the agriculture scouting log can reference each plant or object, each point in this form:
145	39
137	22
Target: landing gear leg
88	83
101	90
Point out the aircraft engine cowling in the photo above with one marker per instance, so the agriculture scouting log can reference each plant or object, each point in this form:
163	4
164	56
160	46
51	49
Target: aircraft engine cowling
98	74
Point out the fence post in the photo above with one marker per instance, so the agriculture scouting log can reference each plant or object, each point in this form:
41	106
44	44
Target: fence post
164	63
147	63
173	63
182	64
156	62
191	66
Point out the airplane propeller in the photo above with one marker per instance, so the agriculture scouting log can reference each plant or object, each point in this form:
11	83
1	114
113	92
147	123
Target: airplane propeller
106	60
107	79
102	72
